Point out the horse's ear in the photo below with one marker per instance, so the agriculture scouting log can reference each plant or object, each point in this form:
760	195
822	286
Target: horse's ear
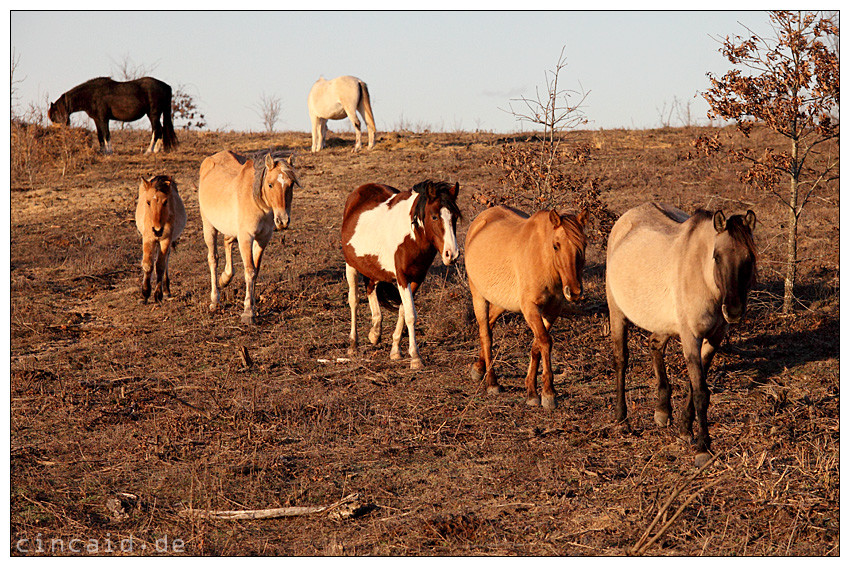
269	161
455	190
582	217
719	221
750	219
291	160
554	218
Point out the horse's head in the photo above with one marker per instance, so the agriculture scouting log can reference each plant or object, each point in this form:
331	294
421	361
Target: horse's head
568	246
276	188
156	193
734	262
437	212
58	112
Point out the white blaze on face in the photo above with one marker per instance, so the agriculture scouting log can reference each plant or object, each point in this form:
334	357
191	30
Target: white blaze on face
380	231
450	252
281	218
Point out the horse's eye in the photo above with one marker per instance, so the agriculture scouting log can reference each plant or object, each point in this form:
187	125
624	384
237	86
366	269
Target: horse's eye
433	217
270	185
556	246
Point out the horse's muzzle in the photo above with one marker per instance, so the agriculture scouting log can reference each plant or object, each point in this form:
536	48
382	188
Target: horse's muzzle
281	222
158	231
733	315
449	256
573	295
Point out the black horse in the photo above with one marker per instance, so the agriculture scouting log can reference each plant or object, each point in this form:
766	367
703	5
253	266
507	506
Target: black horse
104	99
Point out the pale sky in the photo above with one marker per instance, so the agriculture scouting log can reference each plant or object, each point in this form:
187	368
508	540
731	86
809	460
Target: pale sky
443	70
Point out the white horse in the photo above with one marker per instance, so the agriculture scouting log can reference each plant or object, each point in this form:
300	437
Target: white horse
336	99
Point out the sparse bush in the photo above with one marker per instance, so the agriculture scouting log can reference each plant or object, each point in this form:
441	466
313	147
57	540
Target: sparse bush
47	151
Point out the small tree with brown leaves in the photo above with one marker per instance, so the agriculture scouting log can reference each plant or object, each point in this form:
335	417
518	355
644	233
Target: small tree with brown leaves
789	82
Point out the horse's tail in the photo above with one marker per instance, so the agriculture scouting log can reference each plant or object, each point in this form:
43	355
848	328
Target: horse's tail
366	104
388	295
169	138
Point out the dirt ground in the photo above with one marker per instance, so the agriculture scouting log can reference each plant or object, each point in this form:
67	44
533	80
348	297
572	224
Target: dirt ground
124	415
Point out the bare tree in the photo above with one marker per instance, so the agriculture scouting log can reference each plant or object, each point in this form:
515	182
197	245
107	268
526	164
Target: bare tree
14	82
554	111
269	109
790	83
128	70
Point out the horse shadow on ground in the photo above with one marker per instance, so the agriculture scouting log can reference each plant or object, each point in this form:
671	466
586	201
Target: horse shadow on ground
803	338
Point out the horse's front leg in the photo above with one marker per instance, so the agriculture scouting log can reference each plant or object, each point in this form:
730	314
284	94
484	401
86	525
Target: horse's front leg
663	407
162	269
148	251
698	399
103	138
249	249
409	308
351	278
541	348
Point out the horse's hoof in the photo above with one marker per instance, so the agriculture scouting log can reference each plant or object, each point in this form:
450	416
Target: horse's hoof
494	390
213	306
662	418
624	427
475	374
247	319
532	400
549	402
374	338
416	364
352	351
701	459
395	356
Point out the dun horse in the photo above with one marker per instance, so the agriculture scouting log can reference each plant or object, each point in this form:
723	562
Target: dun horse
392	237
336	99
246	200
675	275
160	218
104	99
530	264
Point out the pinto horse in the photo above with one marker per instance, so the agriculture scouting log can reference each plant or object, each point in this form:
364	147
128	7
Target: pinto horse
246	199
104	99
392	237
160	218
676	275
336	99
532	264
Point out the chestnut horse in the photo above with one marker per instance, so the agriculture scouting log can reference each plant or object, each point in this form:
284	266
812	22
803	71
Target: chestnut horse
530	264
246	199
160	218
336	99
676	275
392	237
104	99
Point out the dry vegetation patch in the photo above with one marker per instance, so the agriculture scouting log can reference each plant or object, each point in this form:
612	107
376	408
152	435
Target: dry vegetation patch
123	415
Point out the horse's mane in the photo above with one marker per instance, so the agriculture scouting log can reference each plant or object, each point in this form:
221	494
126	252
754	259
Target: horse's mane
163	183
443	192
259	159
576	235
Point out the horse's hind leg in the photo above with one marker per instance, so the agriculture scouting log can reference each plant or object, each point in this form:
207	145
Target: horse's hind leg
227	274
485	315
377	316
102	128
663	408
210	234
156	134
620	345
351	278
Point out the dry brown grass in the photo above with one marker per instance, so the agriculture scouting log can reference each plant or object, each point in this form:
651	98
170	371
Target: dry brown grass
123	414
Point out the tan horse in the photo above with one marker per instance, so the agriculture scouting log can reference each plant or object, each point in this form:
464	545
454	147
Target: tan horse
676	275
336	99
245	200
160	218
530	264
